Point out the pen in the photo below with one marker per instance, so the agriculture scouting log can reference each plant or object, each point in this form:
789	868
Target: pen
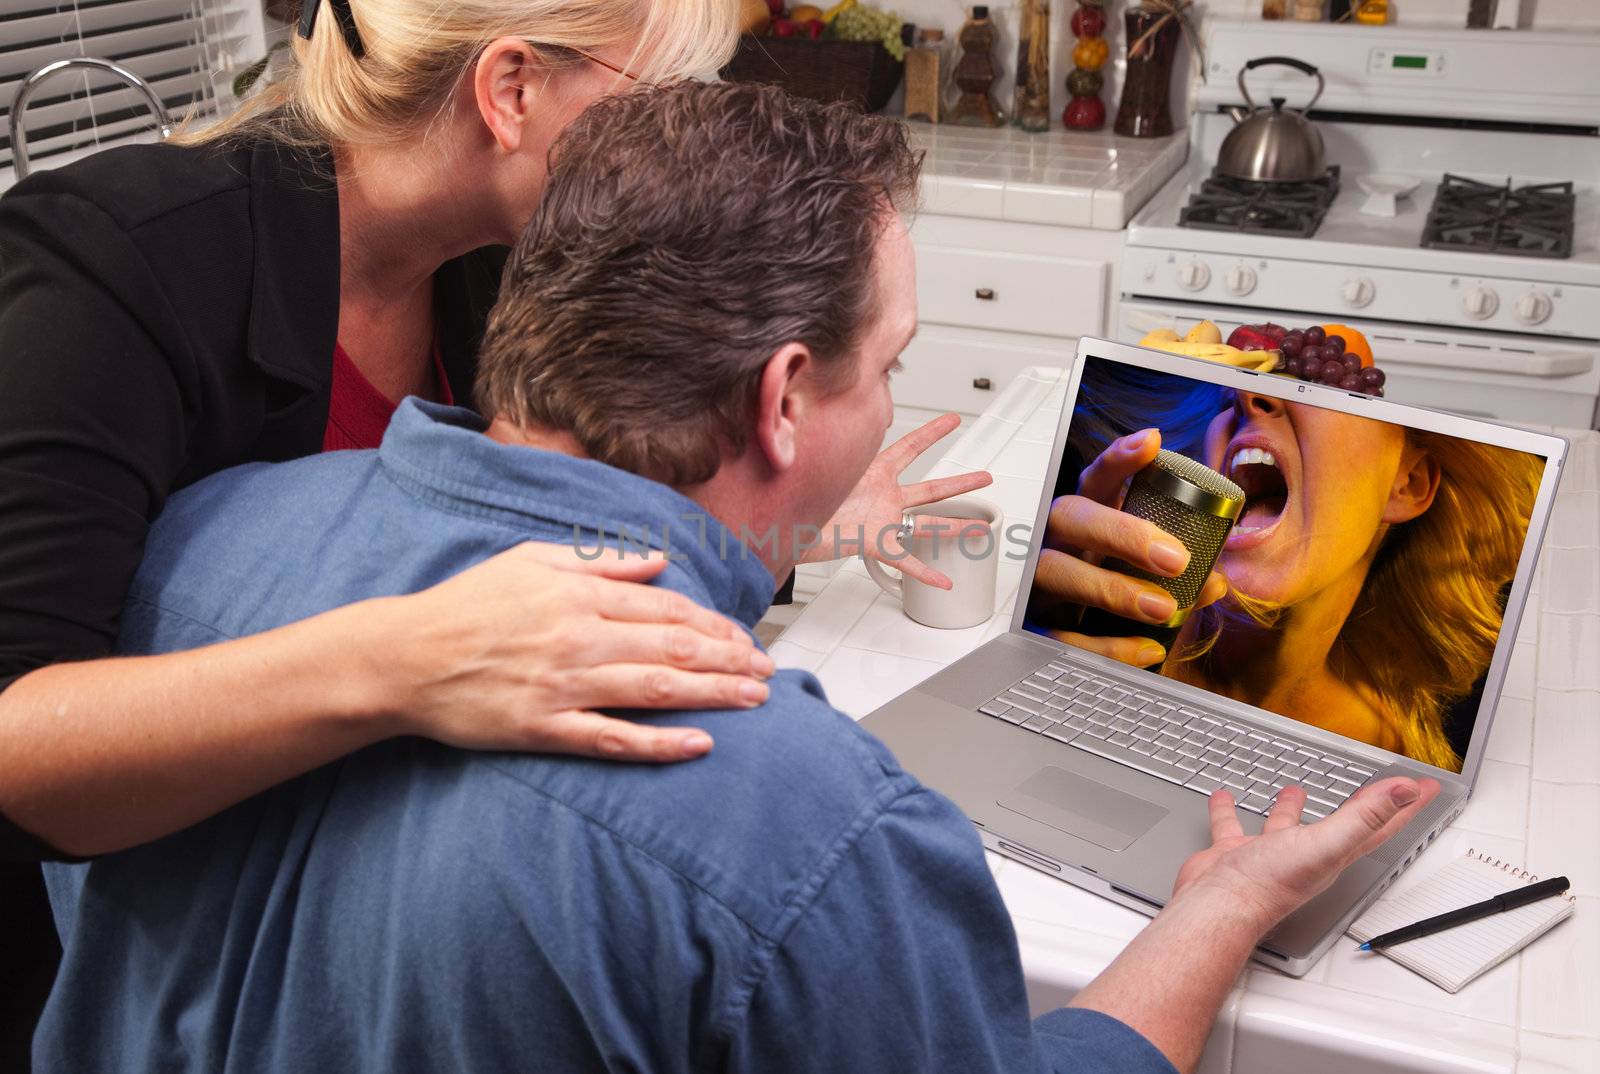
1509	901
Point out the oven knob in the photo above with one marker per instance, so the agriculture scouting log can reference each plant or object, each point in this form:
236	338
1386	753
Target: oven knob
1480	303
1193	275
1241	280
1534	307
1358	291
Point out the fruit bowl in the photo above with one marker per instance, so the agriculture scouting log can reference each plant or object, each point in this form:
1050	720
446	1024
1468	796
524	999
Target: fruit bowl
1332	354
862	72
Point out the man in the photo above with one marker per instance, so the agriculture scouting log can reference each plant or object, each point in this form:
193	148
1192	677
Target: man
694	342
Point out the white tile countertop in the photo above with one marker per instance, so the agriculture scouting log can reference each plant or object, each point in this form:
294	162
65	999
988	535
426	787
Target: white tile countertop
1537	803
1067	178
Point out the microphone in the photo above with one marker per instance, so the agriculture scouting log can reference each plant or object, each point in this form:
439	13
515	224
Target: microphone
1196	505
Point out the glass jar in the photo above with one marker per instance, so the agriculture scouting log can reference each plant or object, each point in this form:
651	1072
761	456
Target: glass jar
1145	110
1031	103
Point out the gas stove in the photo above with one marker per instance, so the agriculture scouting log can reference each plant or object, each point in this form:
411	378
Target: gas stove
1482	292
1226	204
1533	220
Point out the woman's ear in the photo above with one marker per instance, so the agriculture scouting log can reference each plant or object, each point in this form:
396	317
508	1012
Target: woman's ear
503	88
1414	486
782	402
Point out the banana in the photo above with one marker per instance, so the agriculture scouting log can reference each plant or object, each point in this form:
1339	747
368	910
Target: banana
833	12
1260	361
1204	332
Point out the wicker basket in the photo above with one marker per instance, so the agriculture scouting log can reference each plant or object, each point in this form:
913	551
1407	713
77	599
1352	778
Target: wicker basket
858	71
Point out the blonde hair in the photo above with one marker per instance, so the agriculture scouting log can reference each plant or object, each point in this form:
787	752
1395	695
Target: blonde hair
1428	617
417	51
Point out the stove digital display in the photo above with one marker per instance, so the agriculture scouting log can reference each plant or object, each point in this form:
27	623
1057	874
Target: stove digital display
1415	63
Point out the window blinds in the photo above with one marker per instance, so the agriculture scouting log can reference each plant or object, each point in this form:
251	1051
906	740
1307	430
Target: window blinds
181	47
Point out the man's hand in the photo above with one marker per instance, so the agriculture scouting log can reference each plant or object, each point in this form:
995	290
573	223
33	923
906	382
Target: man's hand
1289	863
1086	528
876	505
1171	979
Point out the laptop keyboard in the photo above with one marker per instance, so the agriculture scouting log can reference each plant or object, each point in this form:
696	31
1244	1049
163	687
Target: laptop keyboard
1181	745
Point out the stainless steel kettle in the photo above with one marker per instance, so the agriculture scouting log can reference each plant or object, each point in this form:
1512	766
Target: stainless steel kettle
1273	145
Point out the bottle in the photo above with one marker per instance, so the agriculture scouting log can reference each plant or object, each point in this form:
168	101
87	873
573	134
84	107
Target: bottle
1272	9
1030	108
1145	110
925	77
974	72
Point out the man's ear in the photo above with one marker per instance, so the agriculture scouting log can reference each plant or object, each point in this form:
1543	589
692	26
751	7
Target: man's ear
1414	487
503	88
782	402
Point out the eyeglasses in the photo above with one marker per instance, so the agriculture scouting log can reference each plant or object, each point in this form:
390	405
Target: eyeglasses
607	64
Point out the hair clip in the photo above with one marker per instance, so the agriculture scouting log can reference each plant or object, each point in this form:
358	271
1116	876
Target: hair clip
342	16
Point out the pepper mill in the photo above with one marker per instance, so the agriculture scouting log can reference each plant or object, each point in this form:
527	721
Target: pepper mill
975	72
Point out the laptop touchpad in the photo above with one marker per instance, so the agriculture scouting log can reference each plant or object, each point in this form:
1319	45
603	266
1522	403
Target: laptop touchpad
1078	806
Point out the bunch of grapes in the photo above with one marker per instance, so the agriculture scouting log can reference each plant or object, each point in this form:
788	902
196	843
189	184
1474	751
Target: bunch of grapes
862	23
1312	354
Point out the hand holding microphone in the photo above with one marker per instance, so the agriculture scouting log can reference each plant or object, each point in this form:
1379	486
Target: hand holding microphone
1089	529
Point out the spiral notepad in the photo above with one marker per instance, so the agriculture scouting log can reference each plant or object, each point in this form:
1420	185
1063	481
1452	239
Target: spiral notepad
1455	956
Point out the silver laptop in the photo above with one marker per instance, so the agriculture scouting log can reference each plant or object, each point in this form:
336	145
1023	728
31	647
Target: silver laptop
1385	552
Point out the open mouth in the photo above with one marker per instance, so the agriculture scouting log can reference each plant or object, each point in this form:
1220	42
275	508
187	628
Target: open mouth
1266	493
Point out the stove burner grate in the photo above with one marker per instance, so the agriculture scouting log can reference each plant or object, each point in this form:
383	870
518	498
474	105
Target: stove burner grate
1293	209
1528	221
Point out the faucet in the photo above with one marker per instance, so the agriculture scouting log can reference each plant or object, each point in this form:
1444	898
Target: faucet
19	137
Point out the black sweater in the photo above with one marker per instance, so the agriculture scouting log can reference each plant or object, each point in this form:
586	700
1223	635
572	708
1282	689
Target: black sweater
165	313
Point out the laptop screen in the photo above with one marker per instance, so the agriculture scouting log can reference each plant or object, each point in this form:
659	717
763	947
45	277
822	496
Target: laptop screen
1367	574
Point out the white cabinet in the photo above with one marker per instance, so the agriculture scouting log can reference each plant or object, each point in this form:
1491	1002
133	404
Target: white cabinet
1012	292
995	297
963	369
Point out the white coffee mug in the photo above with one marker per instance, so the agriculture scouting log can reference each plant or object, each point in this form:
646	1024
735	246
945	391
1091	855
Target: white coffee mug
968	556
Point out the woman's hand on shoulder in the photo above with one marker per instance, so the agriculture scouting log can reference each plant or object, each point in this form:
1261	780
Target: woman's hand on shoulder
517	653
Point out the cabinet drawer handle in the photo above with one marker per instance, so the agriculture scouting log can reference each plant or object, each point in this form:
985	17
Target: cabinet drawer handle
983	384
985	294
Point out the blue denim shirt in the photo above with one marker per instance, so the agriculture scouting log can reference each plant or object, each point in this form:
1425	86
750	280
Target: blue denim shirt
792	902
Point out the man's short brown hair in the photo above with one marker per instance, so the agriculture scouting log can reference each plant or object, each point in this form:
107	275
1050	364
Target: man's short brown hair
686	234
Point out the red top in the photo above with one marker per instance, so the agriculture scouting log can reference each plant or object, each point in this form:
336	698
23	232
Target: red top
358	413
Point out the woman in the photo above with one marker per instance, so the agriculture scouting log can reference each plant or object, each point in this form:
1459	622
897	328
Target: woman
272	287
1368	571
1365	578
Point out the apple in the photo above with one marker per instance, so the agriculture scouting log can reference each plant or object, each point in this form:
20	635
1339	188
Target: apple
1257	337
785	27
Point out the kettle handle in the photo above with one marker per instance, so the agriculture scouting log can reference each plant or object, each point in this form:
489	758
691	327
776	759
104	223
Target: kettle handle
1283	61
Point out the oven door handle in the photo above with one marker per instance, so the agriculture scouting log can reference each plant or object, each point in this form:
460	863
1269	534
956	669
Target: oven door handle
1543	364
1145	321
